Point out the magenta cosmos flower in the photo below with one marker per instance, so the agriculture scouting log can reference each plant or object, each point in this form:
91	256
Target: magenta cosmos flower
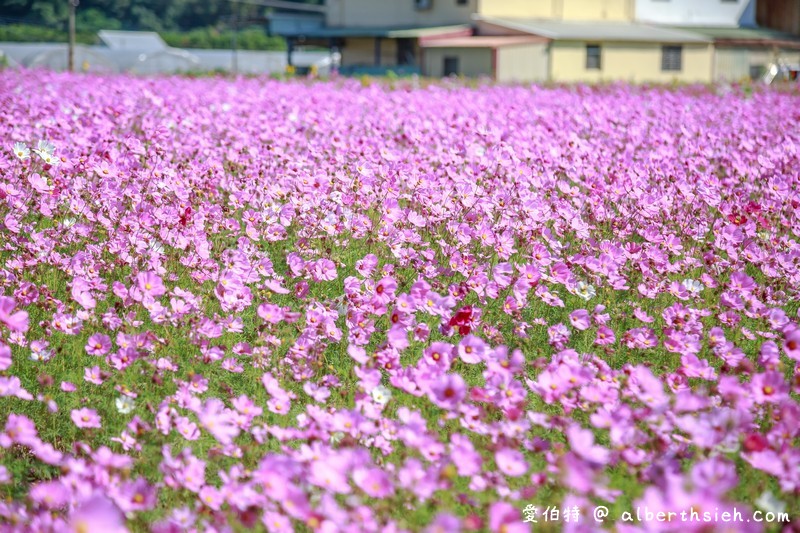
448	390
791	343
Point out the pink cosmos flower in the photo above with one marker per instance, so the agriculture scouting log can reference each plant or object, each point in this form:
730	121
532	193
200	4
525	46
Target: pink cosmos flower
580	319
40	184
510	462
98	344
506	518
81	293
85	418
605	336
19	429
471	349
5	357
323	270
11	386
329	475
219	421
211	497
93	375
136	496
444	522
366	265
97	513
467	461
270	313
50	494
769	387
149	284
187	428
581	441
373	481
15	321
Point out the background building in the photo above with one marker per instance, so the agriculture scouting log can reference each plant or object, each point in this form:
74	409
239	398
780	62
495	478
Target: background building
556	40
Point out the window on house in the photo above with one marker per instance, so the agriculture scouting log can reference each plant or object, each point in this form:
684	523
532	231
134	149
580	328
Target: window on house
451	66
422	5
593	57
671	58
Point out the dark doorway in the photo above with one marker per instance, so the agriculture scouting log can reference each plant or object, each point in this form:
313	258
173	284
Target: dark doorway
451	66
405	52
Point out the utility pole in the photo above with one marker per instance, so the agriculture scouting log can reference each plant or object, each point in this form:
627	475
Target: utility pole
71	47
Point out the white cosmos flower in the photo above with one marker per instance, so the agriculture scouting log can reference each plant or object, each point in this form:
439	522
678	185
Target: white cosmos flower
45	150
124	404
381	395
49	159
769	503
693	286
45	147
585	291
42	355
22	151
69	222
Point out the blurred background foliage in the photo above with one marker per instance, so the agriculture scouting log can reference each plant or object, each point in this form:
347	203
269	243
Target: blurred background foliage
181	23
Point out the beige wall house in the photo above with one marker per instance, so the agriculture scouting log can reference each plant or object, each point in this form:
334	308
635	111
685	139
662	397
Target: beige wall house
599	51
504	58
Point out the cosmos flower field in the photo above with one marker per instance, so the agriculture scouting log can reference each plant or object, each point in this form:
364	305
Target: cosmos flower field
336	306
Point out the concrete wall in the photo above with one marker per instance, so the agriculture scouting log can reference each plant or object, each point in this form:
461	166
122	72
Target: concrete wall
559	9
472	62
517	8
633	62
619	10
526	62
103	59
257	62
355	13
697	12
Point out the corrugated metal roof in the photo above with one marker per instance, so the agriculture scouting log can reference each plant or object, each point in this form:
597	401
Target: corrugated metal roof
143	41
597	30
392	32
481	42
